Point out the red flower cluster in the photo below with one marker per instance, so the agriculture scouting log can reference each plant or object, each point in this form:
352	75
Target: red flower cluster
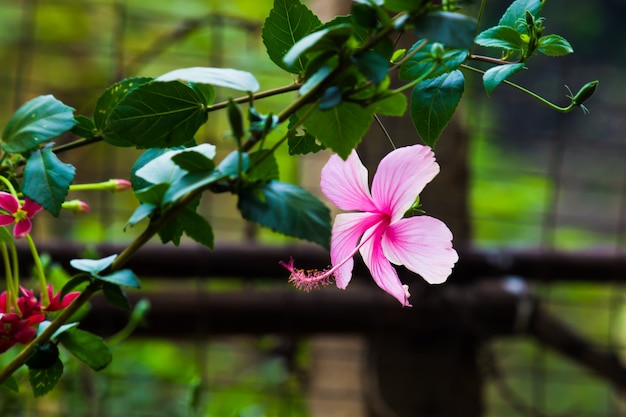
21	327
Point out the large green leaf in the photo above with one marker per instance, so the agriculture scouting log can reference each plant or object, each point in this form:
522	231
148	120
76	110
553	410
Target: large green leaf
494	76
340	128
288	22
516	12
36	122
44	380
157	115
504	37
47	179
87	347
109	101
220	77
433	103
454	30
287	209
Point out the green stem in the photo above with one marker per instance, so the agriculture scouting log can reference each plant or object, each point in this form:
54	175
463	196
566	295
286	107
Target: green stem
9	186
11	294
39	268
536	96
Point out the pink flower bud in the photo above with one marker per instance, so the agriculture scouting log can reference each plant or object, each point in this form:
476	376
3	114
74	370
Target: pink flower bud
76	206
121	184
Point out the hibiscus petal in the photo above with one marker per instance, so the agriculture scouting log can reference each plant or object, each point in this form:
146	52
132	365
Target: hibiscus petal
400	177
22	228
31	207
383	273
424	245
8	202
347	230
345	183
6	219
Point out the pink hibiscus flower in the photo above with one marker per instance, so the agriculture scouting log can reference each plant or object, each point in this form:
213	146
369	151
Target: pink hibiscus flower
13	212
377	227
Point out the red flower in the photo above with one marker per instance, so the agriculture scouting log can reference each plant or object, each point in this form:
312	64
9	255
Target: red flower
20	214
56	302
21	327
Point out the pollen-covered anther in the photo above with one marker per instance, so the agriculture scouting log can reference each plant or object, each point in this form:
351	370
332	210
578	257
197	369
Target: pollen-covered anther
309	279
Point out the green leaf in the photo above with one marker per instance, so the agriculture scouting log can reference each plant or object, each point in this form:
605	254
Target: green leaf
220	77
11	384
173	230
73	283
288	22
554	45
287	209
504	37
35	122
517	10
93	266
153	195
372	65
340	128
300	141
189	183
205	90
43	356
47	180
403	5
495	75
231	164
196	227
235	118
43	380
454	30
391	105
109	100
115	296
264	166
87	347
125	277
138	182
433	103
163	169
303	144
328	39
156	115
193	161
143	211
84	127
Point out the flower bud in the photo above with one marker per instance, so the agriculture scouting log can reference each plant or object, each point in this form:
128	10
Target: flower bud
120	184
584	93
76	206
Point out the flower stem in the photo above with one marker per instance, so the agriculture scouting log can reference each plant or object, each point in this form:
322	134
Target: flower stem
9	186
536	96
39	268
11	294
